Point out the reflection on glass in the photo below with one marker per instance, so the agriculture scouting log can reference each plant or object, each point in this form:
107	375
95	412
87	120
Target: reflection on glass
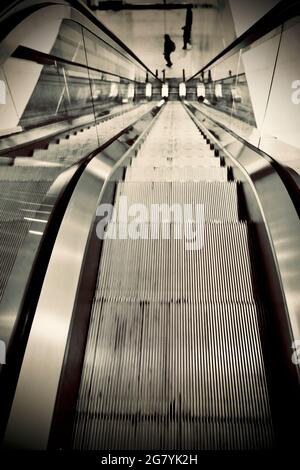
69	43
66	104
113	91
200	90
234	90
165	90
250	91
130	92
182	90
281	137
218	90
148	90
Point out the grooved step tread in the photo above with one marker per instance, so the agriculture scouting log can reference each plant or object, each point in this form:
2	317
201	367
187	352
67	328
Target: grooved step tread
174	356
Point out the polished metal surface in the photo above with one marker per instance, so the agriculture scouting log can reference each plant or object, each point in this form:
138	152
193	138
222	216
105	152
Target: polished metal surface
27	179
133	316
174	354
177	353
32	410
29	190
276	212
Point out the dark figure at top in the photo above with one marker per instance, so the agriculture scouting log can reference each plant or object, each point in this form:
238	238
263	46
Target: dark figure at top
187	28
169	47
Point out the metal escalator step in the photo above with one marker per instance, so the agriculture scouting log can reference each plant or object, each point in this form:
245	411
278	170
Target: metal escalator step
164	270
26	173
185	174
173	375
157	161
219	199
70	150
12	235
174	356
176	153
32	162
18	201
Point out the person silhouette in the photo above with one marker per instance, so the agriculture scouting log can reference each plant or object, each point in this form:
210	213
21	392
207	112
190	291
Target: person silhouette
187	28
169	47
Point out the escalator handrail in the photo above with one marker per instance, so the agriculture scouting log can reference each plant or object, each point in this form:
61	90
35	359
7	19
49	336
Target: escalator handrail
277	16
285	173
34	284
15	13
278	215
26	53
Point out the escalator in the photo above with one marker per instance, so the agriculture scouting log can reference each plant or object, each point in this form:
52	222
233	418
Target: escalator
27	181
58	112
149	267
174	356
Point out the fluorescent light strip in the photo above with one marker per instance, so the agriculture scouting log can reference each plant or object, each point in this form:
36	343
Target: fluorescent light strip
35	232
31	219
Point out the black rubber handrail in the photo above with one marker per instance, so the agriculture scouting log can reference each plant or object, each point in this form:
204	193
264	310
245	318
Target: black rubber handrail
12	14
289	178
26	53
15	353
278	15
118	5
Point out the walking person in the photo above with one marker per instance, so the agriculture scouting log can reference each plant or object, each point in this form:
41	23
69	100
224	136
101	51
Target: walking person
169	47
187	28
